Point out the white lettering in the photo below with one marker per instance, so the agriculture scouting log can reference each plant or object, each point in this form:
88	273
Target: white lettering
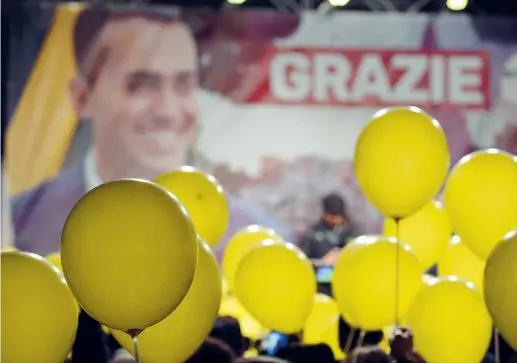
406	90
288	78
437	79
371	79
331	74
464	77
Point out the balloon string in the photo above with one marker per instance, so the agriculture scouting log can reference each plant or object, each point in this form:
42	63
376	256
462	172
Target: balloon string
349	340
397	272
360	342
135	348
496	346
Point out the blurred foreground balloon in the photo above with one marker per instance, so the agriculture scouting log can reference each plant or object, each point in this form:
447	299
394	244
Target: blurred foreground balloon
481	199
55	259
458	260
177	337
204	199
129	252
339	277
368	276
240	244
322	325
450	322
276	283
427	232
501	287
39	314
401	160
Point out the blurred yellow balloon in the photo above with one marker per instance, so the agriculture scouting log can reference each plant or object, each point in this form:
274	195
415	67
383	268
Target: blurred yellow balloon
177	337
276	283
460	261
250	327
369	276
481	199
501	287
401	160
39	316
322	325
450	322
204	199
338	276
125	246
9	249
55	259
240	244
427	232
226	287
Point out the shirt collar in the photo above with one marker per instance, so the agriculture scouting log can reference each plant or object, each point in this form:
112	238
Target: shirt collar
92	178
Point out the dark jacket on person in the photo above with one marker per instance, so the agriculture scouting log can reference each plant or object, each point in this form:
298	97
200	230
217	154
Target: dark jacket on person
322	237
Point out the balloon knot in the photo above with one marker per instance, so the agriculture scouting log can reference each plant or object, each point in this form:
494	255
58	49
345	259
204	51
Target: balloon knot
133	333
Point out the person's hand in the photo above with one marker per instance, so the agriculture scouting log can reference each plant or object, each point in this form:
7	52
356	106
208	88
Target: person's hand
332	257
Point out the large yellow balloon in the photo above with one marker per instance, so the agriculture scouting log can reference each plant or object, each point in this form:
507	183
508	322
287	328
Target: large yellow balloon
38	309
501	287
369	276
450	322
458	260
481	199
276	283
129	253
427	232
177	337
322	325
240	244
339	276
204	199
401	160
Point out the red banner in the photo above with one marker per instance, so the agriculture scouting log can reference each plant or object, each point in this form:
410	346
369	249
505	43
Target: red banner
377	78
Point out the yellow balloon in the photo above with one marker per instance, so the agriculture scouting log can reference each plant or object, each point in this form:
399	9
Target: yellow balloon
204	199
369	276
481	199
240	244
322	325
55	259
401	160
38	309
340	275
427	232
129	253
276	283
177	337
460	261
501	287
450	322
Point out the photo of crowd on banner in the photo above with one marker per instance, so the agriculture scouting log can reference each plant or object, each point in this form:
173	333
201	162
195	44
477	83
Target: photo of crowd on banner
185	186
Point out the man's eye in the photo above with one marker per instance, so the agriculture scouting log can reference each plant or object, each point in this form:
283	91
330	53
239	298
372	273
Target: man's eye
142	83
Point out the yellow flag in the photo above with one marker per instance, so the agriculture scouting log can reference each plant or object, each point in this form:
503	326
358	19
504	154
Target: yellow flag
44	121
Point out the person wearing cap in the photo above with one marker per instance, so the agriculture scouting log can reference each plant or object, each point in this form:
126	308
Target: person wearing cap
323	242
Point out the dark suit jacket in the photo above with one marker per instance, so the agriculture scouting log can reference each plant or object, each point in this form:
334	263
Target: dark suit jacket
40	214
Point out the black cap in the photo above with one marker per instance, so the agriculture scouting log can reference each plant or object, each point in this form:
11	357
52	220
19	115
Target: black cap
333	204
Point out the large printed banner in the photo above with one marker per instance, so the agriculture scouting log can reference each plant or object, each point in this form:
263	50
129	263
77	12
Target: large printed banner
270	103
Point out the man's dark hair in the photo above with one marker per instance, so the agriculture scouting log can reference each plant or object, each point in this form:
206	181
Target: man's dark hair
307	353
213	351
228	330
92	20
371	354
333	204
262	359
370	338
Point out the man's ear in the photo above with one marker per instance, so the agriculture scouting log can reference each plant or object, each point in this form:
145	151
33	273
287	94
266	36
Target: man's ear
79	94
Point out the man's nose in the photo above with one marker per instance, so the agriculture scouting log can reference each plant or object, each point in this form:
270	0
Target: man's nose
168	107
